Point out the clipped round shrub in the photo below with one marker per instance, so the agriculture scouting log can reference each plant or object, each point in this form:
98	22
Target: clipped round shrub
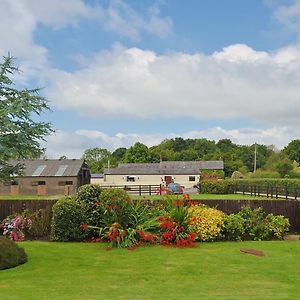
206	222
89	194
68	215
234	227
11	255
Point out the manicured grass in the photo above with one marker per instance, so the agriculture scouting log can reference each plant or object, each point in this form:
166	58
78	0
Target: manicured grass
206	197
209	271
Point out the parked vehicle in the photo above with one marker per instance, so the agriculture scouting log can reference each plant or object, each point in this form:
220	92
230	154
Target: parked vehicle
174	188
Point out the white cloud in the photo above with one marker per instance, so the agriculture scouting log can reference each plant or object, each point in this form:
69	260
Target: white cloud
81	140
237	82
289	15
121	18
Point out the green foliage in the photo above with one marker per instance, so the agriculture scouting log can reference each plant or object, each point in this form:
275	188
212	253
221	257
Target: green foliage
284	166
89	193
254	225
11	255
293	150
40	223
265	174
68	215
96	159
138	153
216	187
20	134
277	225
234	228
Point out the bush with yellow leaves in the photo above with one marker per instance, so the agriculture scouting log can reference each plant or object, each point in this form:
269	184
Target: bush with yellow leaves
206	222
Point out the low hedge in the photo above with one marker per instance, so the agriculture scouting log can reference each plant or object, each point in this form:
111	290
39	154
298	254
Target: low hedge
228	186
11	255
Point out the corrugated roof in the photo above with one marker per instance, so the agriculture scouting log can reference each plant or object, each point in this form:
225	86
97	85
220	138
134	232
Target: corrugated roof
52	167
165	168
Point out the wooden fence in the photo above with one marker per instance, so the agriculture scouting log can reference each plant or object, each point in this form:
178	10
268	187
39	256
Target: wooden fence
287	208
268	191
145	189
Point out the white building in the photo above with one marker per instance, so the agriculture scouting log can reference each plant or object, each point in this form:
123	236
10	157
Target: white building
186	173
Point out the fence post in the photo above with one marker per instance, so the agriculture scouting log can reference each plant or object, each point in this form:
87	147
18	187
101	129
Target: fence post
267	191
296	194
160	189
255	191
149	189
140	190
243	190
251	188
286	193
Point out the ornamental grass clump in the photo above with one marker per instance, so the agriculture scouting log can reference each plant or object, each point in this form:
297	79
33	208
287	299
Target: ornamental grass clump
205	222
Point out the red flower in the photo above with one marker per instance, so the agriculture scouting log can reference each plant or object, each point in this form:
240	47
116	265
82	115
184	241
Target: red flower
84	226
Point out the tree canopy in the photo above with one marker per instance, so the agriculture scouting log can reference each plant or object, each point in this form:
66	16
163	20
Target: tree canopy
20	133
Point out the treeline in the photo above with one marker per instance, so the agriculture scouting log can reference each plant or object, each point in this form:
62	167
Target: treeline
238	159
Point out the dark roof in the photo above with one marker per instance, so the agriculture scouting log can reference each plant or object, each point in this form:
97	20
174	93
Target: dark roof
165	168
52	167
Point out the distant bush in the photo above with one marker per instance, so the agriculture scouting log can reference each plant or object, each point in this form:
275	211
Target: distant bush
216	187
265	174
67	217
11	255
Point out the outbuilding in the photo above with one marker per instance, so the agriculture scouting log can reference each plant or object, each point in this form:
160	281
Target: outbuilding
44	177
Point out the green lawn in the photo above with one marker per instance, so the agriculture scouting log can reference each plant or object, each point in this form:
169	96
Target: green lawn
206	197
209	271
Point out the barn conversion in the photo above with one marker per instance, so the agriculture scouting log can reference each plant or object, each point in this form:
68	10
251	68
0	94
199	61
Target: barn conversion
187	173
48	177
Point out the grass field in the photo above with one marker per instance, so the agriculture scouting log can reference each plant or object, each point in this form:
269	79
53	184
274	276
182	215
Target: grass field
209	271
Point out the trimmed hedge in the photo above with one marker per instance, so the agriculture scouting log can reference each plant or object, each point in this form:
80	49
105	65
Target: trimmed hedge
67	217
11	255
227	186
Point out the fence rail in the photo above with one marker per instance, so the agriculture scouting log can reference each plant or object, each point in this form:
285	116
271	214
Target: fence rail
278	192
145	189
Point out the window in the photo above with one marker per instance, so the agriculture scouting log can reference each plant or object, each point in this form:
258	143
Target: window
192	178
63	183
39	170
36	183
130	178
61	170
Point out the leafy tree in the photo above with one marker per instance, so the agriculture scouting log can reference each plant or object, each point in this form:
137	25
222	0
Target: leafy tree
293	150
138	153
96	159
20	133
119	154
284	166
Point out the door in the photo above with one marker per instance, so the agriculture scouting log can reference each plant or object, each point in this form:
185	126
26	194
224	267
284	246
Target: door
168	179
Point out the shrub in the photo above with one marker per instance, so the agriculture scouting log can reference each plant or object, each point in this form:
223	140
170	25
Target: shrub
11	255
234	227
278	226
67	217
206	222
89	194
216	187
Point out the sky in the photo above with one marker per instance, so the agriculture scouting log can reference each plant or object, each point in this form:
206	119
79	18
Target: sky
116	72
